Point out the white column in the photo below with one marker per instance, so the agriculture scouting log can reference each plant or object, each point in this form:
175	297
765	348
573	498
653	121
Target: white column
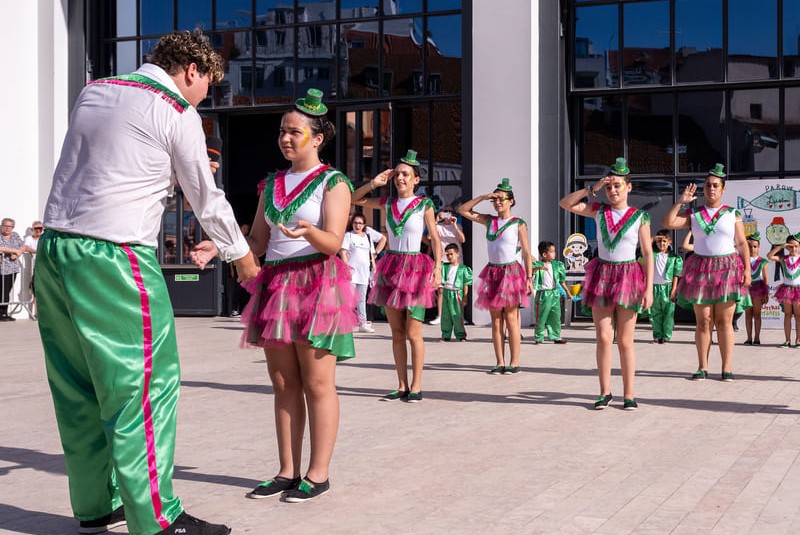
504	114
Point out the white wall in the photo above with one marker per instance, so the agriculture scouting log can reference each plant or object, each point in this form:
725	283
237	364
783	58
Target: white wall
504	115
34	39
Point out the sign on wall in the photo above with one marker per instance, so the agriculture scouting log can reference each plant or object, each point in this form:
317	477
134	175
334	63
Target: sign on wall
771	207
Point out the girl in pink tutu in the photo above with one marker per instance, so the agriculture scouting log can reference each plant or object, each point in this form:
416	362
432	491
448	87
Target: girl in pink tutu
617	287
788	293
716	276
405	279
504	283
302	310
759	290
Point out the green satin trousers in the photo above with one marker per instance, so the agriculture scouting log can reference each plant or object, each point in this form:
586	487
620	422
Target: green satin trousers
107	328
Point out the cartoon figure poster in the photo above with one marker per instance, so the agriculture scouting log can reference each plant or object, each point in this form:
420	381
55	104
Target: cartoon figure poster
771	207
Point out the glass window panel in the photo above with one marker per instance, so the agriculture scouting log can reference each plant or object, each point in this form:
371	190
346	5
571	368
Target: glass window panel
233	14
359	70
600	135
444	55
125	60
442	5
698	40
791	39
157	16
402	67
701	131
646	56
650	147
272	12
126	18
402	6
194	14
447	141
792	129
316	49
353	9
237	51
311	11
412	124
752	39
754	130
596	46
653	196
146	48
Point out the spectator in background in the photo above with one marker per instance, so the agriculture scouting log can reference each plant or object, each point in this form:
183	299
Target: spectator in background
358	251
29	246
449	231
11	247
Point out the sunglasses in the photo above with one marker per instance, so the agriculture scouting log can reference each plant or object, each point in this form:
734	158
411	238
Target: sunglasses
38	228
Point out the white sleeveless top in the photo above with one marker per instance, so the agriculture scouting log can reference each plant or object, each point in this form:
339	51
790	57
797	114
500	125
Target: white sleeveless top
619	232
290	197
790	271
502	236
405	219
714	230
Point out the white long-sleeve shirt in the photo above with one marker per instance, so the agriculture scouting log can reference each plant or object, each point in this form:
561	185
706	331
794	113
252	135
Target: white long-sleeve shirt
127	146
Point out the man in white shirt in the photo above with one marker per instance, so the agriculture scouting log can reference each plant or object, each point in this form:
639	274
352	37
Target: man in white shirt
105	316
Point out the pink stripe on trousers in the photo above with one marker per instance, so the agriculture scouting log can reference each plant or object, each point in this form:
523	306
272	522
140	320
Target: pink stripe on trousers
148	370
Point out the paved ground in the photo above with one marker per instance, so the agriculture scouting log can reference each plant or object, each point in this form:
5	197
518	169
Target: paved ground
481	454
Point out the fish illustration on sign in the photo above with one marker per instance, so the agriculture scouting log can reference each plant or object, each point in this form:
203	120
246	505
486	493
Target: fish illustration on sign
773	200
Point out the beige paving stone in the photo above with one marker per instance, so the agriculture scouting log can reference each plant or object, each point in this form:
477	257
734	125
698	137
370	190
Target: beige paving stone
481	454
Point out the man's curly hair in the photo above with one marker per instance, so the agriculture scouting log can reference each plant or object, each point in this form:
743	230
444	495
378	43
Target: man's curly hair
177	50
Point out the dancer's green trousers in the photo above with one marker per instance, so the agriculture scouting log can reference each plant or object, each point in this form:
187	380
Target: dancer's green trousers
662	312
108	332
452	315
548	315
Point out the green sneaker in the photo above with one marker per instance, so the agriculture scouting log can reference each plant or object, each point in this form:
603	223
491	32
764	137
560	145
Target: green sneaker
306	490
395	394
699	375
273	487
630	405
602	402
498	370
414	397
727	377
512	369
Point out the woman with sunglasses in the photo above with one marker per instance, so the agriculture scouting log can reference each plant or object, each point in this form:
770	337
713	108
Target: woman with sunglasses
504	283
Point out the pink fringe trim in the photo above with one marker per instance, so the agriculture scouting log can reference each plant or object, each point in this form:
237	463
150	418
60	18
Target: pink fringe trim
711	279
787	294
502	286
608	285
403	280
295	299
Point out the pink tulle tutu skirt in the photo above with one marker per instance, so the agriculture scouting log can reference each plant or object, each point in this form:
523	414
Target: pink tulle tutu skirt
403	280
759	290
300	299
787	294
711	279
501	286
614	284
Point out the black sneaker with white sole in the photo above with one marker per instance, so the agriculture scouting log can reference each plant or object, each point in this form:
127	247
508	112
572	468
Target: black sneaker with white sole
112	520
273	487
306	490
602	402
186	524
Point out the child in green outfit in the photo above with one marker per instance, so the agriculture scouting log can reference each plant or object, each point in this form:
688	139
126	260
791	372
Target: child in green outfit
456	280
549	281
667	267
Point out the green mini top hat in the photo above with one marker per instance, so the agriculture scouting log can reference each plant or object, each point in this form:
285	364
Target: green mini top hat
504	185
755	236
718	171
312	104
410	158
620	167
